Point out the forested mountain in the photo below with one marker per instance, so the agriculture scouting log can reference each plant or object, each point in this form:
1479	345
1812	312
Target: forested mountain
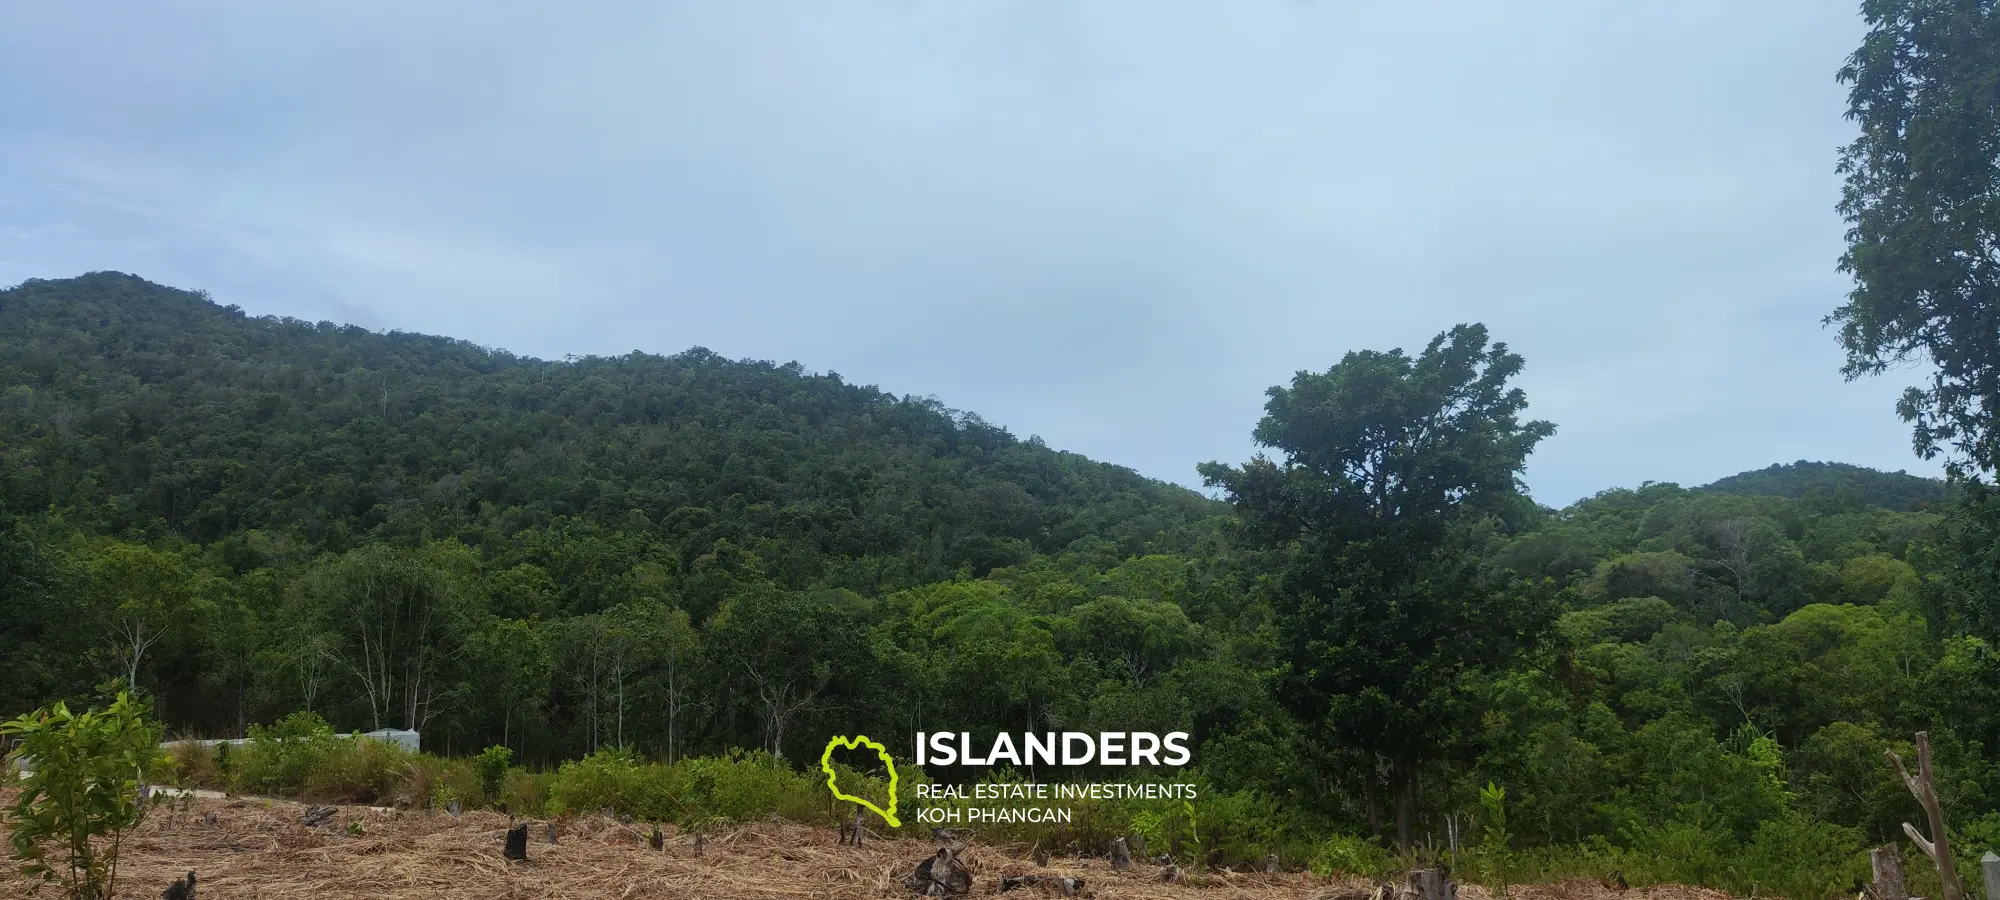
249	517
139	410
1889	490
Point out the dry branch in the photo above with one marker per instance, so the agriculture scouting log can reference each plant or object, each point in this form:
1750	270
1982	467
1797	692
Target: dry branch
1924	786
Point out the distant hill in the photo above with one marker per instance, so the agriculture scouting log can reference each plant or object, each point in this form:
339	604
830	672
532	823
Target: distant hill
1890	490
141	409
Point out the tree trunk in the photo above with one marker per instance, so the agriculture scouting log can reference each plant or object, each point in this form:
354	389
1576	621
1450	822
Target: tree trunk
1121	856
1924	786
1374	804
1887	861
1406	801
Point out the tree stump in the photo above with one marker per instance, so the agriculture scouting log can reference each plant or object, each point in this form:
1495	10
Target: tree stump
1887	863
939	876
1270	866
658	840
316	816
517	843
700	844
1121	856
1989	870
1171	874
853	832
1427	884
453	808
550	836
180	890
208	820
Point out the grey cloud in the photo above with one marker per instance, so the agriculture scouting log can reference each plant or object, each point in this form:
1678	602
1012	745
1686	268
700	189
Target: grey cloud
1112	224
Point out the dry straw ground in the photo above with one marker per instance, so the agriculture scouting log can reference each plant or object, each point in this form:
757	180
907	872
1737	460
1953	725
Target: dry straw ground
258	849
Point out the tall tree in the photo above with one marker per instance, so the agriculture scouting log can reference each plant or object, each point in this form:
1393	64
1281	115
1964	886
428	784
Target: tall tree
1923	204
1386	462
147	594
789	650
397	616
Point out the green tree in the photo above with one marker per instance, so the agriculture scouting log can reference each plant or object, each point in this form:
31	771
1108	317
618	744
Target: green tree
786	649
1387	461
81	795
148	594
398	619
1922	200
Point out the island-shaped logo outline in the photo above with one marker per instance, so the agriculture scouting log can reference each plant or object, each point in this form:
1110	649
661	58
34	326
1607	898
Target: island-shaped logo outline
842	741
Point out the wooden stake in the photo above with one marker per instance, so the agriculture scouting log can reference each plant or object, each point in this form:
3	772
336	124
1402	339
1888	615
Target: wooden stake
1924	786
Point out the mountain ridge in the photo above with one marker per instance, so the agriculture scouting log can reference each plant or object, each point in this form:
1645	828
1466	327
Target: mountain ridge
141	408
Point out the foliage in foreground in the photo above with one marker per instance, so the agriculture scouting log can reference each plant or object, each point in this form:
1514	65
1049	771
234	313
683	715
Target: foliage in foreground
81	793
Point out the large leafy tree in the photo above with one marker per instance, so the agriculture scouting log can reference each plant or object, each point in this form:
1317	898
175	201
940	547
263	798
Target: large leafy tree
1386	461
1923	204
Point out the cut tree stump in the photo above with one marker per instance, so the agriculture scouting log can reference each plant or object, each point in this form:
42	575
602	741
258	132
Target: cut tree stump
180	890
453	808
1121	856
208	820
1989	871
1923	786
658	840
854	833
1887	863
1270	866
550	836
939	876
1427	884
700	844
316	816
517	843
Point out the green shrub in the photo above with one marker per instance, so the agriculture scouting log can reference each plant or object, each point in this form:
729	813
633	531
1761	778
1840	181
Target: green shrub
280	759
1344	854
1802	859
736	788
356	770
492	764
66	824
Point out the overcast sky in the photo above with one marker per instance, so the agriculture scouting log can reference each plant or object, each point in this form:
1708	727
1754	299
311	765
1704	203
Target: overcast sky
1113	225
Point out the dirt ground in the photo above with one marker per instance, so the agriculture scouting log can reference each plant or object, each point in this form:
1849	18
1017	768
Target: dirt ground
259	849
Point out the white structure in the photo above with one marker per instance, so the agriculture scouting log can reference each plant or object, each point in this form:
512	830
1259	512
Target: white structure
408	740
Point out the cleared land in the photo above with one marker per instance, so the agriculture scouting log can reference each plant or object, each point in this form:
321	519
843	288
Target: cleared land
259	849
